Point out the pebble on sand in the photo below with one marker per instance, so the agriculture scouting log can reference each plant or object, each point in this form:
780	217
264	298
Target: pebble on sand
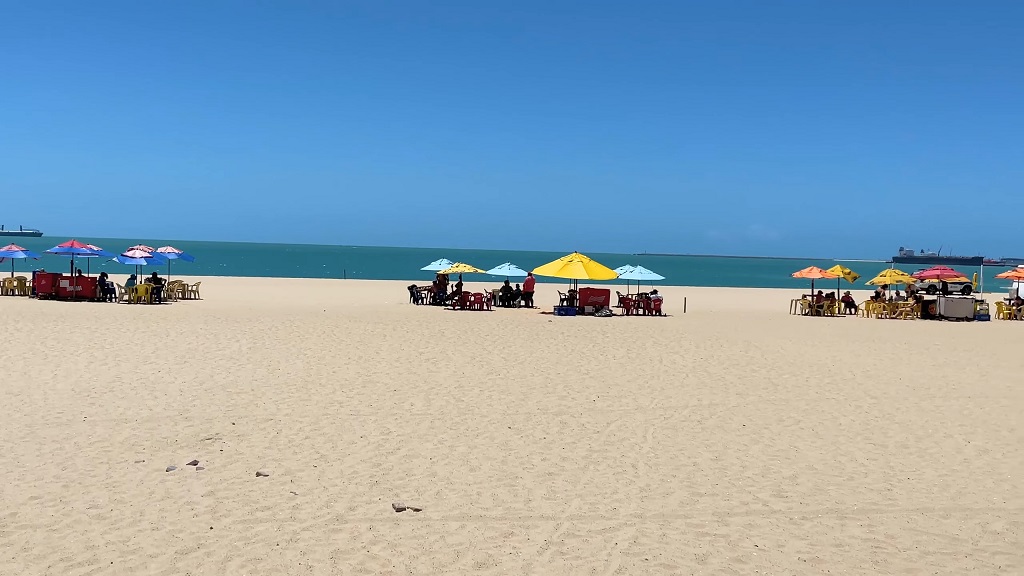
171	469
262	473
193	463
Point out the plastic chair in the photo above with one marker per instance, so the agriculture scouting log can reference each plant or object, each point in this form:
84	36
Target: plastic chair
1003	312
656	307
193	291
143	292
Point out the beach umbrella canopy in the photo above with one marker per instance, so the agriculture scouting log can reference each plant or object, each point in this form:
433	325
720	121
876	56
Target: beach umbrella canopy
891	276
940	273
576	266
813	273
142	247
507	270
1017	275
437	265
15	252
97	251
843	273
72	248
172	253
140	257
462	268
76	249
640	273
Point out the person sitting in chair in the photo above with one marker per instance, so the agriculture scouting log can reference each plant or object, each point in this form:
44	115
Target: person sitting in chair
517	295
158	287
457	291
505	295
415	297
849	304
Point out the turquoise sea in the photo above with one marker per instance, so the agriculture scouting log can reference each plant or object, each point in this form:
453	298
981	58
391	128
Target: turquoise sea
384	263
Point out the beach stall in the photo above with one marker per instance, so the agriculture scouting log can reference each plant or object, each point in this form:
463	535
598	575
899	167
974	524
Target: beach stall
575	267
73	286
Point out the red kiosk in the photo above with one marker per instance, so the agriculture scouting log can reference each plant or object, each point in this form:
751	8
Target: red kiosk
73	286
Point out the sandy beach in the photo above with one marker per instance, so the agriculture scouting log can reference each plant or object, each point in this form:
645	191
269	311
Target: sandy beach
733	439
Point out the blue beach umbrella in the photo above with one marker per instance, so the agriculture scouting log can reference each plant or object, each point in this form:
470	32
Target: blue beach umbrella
76	249
140	258
172	253
639	273
507	270
14	252
438	265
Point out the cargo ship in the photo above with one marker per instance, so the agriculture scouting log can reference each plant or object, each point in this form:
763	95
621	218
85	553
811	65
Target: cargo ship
908	256
21	231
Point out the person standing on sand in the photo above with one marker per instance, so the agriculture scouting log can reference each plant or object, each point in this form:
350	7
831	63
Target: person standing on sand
528	286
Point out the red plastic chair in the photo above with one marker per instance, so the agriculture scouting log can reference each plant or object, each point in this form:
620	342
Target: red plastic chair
476	301
627	305
656	307
485	301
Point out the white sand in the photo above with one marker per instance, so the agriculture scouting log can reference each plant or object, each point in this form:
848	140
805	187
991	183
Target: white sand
734	439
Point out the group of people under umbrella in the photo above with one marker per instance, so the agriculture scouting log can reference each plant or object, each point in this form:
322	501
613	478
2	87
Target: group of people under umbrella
573	267
938	278
138	256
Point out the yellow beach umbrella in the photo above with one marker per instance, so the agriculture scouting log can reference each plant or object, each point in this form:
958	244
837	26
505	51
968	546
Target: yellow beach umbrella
462	268
843	273
892	276
576	266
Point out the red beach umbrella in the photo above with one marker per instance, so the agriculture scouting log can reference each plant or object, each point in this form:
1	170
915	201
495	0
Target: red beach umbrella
938	273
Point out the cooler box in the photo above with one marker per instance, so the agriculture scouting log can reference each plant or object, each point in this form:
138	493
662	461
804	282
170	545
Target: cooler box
565	311
595	297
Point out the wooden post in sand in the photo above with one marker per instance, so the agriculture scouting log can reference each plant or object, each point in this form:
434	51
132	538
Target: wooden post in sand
684	304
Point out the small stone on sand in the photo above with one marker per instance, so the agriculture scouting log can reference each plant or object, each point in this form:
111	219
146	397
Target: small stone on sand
193	463
262	473
171	469
398	506
198	468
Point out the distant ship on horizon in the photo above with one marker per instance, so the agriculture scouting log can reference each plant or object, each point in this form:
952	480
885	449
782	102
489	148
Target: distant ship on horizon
21	231
909	256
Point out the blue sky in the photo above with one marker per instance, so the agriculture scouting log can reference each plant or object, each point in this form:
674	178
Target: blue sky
743	127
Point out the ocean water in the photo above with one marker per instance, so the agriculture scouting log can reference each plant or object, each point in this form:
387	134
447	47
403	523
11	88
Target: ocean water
385	263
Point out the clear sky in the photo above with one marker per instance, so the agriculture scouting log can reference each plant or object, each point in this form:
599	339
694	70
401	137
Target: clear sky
745	127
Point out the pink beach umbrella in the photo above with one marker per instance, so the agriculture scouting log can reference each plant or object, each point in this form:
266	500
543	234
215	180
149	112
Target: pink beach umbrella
13	251
172	253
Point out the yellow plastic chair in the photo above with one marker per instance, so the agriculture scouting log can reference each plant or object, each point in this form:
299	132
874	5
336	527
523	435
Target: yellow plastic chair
144	292
21	286
1003	312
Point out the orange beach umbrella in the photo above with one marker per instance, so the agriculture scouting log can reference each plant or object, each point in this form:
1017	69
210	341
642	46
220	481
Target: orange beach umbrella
813	273
1015	274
